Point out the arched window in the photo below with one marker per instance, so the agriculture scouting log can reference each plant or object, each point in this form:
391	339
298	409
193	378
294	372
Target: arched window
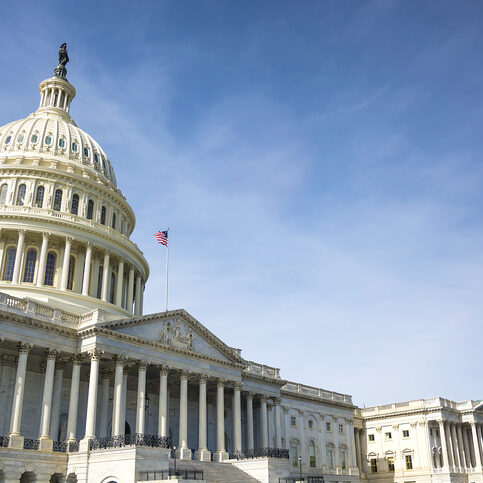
50	269
294	453
312	460
113	284
114	220
90	209
99	282
39	197
3	194
21	195
30	259
9	264
75	204
58	200
103	215
70	276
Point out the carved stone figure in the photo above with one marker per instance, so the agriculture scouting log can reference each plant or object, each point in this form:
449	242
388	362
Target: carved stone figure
177	332
188	338
63	56
165	333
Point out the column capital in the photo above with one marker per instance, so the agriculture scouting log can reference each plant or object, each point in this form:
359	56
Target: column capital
164	370
107	253
51	353
119	359
142	365
106	373
440	421
249	395
46	235
378	429
237	385
220	382
69	240
422	423
263	397
60	364
89	245
473	424
413	424
22	232
77	359
125	369
24	347
184	374
203	378
95	354
395	427
277	401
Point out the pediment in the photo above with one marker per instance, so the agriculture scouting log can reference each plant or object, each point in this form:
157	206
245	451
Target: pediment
178	331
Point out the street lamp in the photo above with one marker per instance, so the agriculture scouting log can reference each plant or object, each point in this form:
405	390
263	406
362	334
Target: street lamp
300	467
174	451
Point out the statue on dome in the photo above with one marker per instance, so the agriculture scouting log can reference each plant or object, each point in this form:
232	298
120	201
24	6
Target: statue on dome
63	55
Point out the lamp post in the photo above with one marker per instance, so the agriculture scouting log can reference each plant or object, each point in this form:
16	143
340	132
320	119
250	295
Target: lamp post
174	451
300	467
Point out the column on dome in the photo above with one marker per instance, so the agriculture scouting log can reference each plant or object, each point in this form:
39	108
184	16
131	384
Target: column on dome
120	281
16	439
117	427
163	402
237	438
476	448
74	398
87	270
141	300
278	431
250	441
105	277
141	396
202	453
137	302
43	259
18	256
56	400
183	452
130	290
65	266
220	454
104	406
263	420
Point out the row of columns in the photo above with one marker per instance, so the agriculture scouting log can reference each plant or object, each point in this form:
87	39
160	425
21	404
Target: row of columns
52	97
135	282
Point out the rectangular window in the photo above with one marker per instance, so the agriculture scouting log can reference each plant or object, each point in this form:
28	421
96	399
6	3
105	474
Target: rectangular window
341	429
390	463
405	433
388	436
373	465
293	421
409	462
327	427
330	458
342	460
294	455
371	437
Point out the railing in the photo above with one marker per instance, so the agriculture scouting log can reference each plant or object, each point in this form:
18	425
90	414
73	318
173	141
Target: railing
31	443
260	453
137	439
167	474
306	478
316	392
4	441
263	370
70	447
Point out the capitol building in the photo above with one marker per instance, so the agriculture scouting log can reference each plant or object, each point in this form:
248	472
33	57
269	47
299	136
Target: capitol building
92	390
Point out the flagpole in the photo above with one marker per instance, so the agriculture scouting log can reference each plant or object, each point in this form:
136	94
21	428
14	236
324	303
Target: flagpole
167	261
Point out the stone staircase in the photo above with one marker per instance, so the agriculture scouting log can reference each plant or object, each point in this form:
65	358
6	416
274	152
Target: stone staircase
215	472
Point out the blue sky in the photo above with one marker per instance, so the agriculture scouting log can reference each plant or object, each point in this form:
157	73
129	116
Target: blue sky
319	164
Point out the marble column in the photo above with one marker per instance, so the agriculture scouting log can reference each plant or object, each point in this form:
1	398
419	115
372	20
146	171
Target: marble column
74	398
417	456
250	440
163	401
444	447
478	432
461	446
117	426
130	290
141	397
456	454
237	438
351	442
263	421
466	445
104	406
106	272
46	407
220	454
120	280
90	432
16	439
183	452
43	259
449	442
18	256
65	266
476	446
56	401
125	376
87	270
137	303
202	453
358	448
278	431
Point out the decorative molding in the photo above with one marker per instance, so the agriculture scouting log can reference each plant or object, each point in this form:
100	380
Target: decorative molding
143	365
95	354
24	347
77	359
164	370
220	382
119	359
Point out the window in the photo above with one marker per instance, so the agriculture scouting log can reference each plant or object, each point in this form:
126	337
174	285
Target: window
327	427
9	264
103	215
34	138
21	195
341	429
409	461
96	158
99	283
312	460
75	147
388	436
62	143
39	197
294	454
113	284
29	271
373	465
293	421
311	424
9	138
86	152
114	220
330	458
74	208
70	276
20	138
57	200
371	437
50	269
48	140
405	433
90	209
3	194
390	463
343	459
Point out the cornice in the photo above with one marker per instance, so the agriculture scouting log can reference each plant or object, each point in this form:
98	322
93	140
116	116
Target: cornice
409	413
266	380
307	397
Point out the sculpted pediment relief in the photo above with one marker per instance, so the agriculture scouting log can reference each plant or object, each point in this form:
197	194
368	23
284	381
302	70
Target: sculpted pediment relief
173	334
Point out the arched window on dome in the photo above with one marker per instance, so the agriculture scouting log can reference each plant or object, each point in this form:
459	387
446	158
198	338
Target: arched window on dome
30	260
39	197
57	200
74	207
312	459
21	195
90	209
113	284
70	276
99	282
9	264
103	215
50	269
114	220
3	193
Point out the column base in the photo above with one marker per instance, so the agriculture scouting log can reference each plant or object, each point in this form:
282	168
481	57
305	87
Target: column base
16	441
183	453
203	455
45	443
84	444
220	456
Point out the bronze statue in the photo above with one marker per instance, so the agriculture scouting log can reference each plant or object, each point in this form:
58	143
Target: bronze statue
63	56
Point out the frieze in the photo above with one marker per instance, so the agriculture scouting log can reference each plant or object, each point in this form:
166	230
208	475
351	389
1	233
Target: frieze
173	336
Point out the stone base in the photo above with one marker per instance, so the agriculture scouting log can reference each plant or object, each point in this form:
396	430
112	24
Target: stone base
84	444
220	456
45	444
16	441
183	453
203	455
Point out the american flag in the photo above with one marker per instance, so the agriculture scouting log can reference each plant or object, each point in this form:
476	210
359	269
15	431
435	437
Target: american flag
162	237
